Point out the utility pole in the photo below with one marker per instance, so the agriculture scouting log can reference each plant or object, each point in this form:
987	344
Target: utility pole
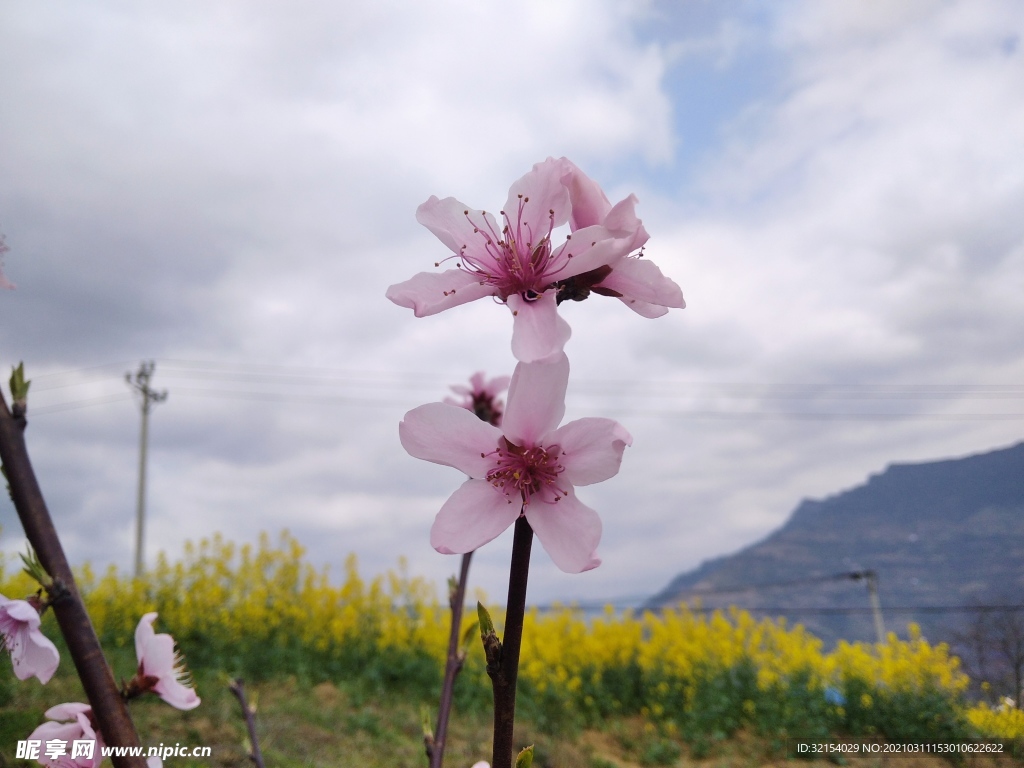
149	398
871	579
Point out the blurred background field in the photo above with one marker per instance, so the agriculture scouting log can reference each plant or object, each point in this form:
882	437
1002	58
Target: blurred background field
341	670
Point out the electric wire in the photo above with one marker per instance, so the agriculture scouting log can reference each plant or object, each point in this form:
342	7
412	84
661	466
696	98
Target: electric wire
291	384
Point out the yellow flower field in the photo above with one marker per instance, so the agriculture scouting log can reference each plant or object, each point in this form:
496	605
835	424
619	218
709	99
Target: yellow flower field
264	611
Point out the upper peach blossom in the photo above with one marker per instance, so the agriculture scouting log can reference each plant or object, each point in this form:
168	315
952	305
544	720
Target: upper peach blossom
517	260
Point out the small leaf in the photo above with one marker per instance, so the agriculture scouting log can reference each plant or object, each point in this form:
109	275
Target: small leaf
525	758
19	387
486	625
35	569
428	730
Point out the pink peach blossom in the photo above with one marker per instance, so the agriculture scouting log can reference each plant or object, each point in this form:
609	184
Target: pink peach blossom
70	722
515	261
529	466
31	651
161	669
634	280
481	397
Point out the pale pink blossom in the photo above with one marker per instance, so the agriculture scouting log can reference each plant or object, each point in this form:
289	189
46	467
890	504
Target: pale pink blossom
529	466
516	260
161	668
31	651
69	723
481	397
634	280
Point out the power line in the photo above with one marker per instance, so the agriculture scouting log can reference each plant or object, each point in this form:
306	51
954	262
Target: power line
782	610
270	382
75	404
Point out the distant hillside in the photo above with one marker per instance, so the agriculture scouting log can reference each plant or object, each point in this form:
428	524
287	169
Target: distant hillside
941	533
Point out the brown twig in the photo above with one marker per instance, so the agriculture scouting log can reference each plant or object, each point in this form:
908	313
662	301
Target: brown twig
238	688
108	707
503	658
453	665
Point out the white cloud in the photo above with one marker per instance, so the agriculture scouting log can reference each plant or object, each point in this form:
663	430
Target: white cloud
235	183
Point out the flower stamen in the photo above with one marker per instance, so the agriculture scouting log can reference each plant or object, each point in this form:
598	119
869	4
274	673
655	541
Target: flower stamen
526	471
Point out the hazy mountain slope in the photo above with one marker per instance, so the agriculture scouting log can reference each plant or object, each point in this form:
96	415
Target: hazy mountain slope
940	533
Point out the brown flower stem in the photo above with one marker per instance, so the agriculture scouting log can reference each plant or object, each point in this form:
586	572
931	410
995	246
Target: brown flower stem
452	667
238	688
505	673
108	707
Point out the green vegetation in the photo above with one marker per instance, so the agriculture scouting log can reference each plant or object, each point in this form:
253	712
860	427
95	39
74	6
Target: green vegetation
339	674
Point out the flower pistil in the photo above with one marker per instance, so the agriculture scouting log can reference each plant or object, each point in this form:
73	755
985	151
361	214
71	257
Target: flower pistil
514	261
526	471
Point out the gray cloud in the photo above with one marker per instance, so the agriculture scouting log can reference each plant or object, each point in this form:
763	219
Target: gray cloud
234	185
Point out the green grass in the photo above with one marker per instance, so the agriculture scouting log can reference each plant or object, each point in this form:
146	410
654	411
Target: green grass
349	723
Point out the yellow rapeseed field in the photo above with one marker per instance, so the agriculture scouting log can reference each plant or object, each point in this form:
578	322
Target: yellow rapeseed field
264	611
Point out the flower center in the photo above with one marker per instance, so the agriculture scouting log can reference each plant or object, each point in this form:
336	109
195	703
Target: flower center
526	471
518	260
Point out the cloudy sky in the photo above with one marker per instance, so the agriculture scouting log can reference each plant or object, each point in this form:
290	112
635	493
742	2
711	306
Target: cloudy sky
228	188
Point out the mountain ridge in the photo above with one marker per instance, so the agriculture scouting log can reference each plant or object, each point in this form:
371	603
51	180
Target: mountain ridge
942	533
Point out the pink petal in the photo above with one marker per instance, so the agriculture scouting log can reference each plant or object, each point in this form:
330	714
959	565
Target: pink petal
63	731
622	221
69	711
591	449
538	331
589	203
34	654
569	530
157	659
449	435
144	633
475	514
644	309
428	293
22	612
538	193
458	226
497	385
536	400
178	695
589	249
641	280
476	383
